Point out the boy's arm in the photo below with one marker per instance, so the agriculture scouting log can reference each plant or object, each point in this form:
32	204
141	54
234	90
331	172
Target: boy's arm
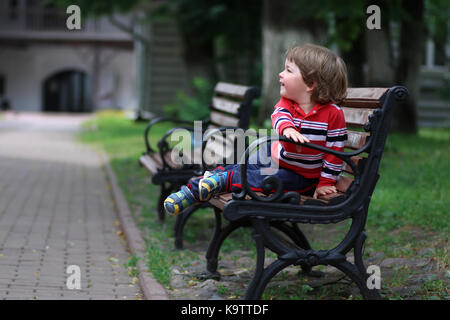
282	119
332	165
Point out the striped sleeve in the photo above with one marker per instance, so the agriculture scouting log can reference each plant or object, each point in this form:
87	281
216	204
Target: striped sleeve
336	137
281	119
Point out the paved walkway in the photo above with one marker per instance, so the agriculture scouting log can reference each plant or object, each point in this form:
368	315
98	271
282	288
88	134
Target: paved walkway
55	211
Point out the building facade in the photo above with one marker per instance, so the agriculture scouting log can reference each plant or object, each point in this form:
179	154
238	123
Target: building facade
44	66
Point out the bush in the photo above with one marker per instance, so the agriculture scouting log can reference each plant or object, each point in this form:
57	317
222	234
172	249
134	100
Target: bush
192	108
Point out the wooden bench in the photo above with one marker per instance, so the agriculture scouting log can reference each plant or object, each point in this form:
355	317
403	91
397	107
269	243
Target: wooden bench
369	109
230	107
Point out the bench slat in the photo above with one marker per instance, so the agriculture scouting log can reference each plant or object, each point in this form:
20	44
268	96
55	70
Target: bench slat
325	199
231	90
347	168
225	105
364	97
153	162
223	120
356	140
172	164
148	163
343	183
356	116
219	201
157	158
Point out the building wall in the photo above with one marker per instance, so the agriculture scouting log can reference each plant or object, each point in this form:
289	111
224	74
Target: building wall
26	68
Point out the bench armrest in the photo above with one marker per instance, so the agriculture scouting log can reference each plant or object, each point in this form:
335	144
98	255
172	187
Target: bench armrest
164	146
274	183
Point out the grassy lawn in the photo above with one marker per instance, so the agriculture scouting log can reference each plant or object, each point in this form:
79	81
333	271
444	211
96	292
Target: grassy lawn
407	215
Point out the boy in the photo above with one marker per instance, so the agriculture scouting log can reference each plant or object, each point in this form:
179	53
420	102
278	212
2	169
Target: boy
313	80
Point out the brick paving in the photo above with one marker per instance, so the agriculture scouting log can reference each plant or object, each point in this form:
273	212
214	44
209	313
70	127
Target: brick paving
56	210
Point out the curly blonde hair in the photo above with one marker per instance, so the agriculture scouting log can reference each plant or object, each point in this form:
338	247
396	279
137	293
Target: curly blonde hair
322	68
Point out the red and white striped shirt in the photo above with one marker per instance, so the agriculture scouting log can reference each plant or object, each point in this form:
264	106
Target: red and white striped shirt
324	125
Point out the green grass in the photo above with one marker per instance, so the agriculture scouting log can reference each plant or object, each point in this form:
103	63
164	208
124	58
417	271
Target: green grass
414	183
131	266
407	211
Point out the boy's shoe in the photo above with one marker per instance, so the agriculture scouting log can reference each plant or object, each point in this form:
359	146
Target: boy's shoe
212	184
179	201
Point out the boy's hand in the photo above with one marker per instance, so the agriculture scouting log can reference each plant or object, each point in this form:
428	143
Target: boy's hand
322	191
293	134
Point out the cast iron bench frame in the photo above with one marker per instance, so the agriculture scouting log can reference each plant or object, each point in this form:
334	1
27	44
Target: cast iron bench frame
263	212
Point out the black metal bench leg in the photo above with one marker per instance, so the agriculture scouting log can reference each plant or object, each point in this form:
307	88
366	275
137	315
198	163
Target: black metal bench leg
164	193
297	236
302	240
263	238
251	294
293	233
352	271
258	285
180	222
358	254
220	234
212	252
262	276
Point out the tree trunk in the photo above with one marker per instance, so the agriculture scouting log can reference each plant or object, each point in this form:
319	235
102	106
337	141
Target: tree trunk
412	39
141	33
281	31
354	60
379	57
143	73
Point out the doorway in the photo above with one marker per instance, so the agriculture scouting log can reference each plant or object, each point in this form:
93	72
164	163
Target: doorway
67	91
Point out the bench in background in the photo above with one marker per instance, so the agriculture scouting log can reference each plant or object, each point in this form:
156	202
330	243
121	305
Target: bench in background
230	107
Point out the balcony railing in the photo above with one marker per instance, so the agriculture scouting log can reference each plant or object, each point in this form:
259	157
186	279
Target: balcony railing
49	23
33	19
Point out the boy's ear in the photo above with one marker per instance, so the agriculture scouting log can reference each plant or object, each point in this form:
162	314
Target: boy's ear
311	87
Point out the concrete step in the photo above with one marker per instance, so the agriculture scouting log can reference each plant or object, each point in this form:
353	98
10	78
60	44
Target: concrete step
433	124
434	104
439	115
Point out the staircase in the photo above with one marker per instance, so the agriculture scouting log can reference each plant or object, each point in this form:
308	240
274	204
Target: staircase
168	75
433	110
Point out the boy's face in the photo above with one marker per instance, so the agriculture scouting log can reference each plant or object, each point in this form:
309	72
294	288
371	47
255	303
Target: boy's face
292	85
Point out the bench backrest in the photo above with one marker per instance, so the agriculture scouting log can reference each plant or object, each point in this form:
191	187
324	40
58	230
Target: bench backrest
231	106
368	109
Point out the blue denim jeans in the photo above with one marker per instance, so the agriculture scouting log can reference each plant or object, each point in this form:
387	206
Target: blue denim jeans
257	170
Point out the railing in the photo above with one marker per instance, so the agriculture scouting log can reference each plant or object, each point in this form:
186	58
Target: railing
33	19
45	19
41	19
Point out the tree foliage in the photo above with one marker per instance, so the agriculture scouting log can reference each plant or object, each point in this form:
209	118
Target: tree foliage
229	22
236	25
